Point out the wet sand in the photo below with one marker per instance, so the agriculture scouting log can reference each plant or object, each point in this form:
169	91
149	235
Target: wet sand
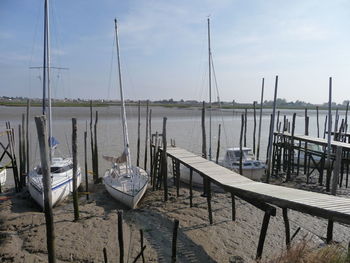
23	234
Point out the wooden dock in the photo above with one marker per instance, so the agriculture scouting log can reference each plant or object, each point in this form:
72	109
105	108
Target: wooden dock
263	195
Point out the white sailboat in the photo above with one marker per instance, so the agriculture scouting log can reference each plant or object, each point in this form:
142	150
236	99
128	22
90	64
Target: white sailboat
123	181
61	168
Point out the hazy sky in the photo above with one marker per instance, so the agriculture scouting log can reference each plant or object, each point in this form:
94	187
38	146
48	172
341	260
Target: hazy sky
164	48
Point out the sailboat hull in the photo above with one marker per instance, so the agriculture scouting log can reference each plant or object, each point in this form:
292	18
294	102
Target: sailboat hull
129	191
61	183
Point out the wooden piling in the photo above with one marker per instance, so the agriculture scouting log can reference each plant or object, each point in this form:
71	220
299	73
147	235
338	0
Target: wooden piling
254	127
233	207
240	146
286	226
165	161
204	138
96	148
150	140
346	117
45	169
20	154
271	133
245	127
260	119
146	139
105	255
92	145
338	161
27	136
329	170
291	150
138	134
86	166
141	243
191	190
262	236
329	231
218	147
208	194
318	123
75	169
173	247
325	127
120	236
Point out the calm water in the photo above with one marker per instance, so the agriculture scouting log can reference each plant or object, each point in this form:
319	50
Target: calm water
183	125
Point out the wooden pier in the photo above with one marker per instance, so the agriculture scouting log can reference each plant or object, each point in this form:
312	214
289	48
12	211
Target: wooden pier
263	195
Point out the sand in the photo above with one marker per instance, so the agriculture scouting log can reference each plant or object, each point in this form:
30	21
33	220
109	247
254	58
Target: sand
23	234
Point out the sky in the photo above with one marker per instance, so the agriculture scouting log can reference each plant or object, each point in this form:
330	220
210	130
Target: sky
164	52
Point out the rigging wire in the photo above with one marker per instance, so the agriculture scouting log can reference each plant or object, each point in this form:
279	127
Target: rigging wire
218	96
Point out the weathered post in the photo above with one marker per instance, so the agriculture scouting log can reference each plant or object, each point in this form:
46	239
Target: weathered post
92	145
204	138
218	148
329	170
254	128
150	140
336	171
138	134
75	169
191	190
271	133
86	166
233	207
173	248
291	149
146	139
318	124
260	119
27	136
45	169
165	161
245	127
96	147
240	146
105	255
120	236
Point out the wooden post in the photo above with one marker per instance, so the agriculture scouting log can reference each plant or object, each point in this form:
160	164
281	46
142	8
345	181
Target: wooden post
208	193
218	148
338	161
150	140
329	170
260	119
329	231
291	150
240	146
105	255
138	134
346	117
92	145
75	169
271	133
20	153
204	138
96	147
24	157
233	207
27	136
286	226
120	236
335	136
254	127
278	121
146	139
173	248
318	124
245	127
86	166
325	127
45	169
141	242
191	190
262	236
165	161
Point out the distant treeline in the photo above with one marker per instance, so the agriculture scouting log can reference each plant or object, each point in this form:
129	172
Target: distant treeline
281	103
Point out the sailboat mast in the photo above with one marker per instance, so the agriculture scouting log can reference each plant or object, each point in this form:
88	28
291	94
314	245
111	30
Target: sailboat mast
125	126
210	104
46	72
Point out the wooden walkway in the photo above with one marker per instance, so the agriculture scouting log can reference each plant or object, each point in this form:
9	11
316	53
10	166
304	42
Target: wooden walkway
261	195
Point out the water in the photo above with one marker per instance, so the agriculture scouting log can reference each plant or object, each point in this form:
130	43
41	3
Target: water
183	125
